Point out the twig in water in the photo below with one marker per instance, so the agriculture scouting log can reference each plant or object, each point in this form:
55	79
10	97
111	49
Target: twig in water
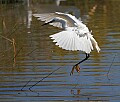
15	27
43	78
31	51
4	25
25	85
38	81
110	67
14	49
13	30
9	33
15	55
6	38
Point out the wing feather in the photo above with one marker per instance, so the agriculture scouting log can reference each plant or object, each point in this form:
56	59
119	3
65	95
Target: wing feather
71	20
69	40
75	37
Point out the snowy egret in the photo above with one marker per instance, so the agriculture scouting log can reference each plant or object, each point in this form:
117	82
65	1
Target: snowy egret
75	35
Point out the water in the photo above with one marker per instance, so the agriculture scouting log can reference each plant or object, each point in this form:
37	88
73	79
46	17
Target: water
33	57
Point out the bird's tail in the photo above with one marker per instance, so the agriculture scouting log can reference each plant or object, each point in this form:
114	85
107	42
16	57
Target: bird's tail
69	40
95	43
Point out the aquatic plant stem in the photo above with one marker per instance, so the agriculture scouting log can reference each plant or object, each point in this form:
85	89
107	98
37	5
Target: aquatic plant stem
44	78
110	67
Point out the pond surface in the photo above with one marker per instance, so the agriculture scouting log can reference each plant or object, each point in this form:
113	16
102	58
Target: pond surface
33	69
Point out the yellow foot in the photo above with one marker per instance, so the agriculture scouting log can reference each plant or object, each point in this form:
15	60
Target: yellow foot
75	67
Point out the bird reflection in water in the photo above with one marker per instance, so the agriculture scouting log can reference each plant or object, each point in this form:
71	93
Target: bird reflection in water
75	92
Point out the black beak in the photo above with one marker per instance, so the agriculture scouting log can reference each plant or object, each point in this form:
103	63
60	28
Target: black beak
47	23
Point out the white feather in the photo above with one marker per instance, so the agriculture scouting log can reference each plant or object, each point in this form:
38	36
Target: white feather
95	43
68	40
76	35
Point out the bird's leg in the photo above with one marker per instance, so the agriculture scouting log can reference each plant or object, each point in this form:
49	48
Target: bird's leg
87	56
76	65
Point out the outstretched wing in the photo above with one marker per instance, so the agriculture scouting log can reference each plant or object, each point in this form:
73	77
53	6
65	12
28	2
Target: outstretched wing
72	21
69	40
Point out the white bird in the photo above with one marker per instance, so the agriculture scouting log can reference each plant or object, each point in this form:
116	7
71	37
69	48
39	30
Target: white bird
75	35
